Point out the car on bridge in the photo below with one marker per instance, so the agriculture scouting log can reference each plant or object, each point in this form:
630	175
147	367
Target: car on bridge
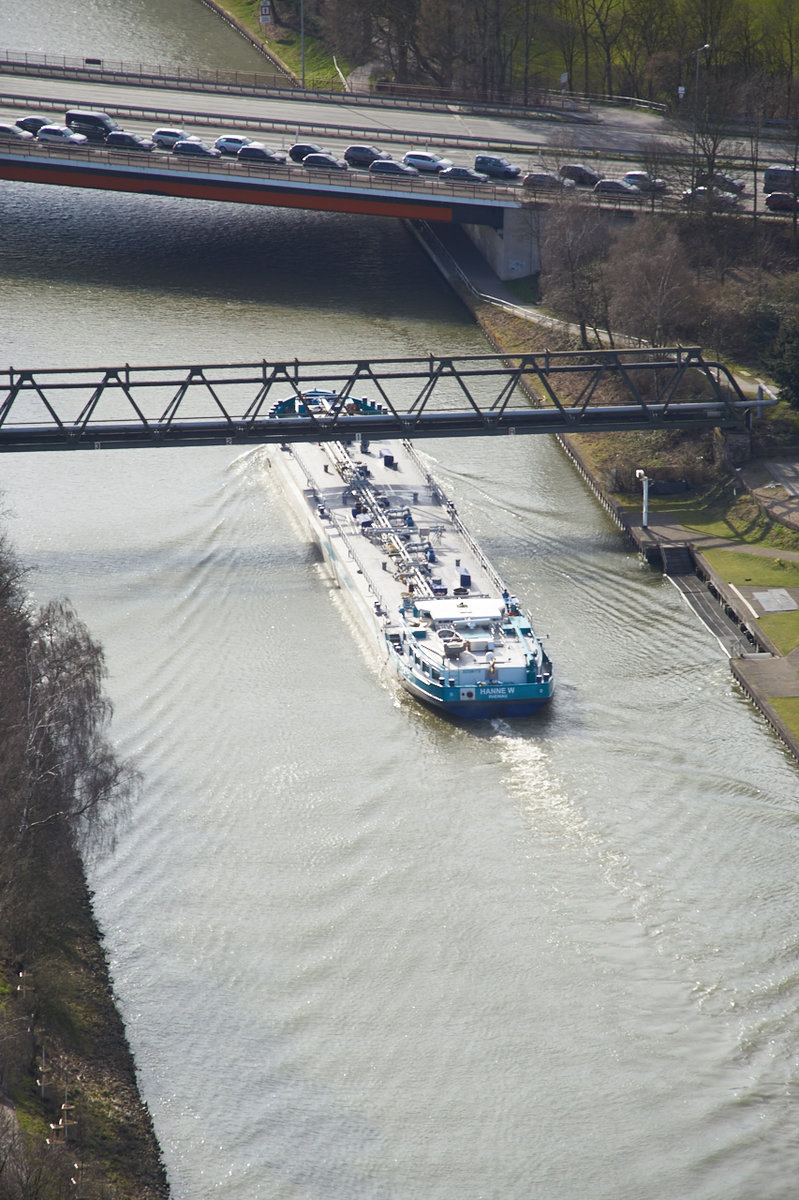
301	150
123	139
462	175
324	162
231	143
364	156
723	183
194	148
645	182
383	166
425	160
165	138
581	175
617	188
32	124
13	133
61	134
710	197
546	181
782	202
496	167
257	154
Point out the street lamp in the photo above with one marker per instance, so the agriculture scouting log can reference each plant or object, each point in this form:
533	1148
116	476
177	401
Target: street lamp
701	50
302	47
639	474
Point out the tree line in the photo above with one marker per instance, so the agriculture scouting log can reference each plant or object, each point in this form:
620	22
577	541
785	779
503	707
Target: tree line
689	53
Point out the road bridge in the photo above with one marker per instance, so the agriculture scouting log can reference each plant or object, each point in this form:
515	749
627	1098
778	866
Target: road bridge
292	186
247	404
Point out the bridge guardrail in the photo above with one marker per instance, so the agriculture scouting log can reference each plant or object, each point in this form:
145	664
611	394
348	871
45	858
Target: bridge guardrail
549	104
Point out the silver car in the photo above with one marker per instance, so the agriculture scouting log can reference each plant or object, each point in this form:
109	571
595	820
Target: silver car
425	160
62	134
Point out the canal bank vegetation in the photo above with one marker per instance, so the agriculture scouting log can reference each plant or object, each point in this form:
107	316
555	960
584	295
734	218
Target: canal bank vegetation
71	1119
678	53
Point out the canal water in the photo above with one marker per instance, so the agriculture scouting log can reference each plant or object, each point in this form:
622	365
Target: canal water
360	951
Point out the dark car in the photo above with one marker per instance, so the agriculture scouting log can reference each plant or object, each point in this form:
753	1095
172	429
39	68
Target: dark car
382	166
724	183
257	154
324	162
364	156
194	148
462	175
13	133
582	176
782	202
121	139
546	181
301	150
33	124
496	167
95	126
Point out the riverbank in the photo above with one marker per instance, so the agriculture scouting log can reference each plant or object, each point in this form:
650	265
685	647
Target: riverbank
769	678
70	1111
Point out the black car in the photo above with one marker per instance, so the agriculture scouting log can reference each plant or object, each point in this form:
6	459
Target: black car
782	202
33	124
364	156
120	139
324	162
301	150
258	154
194	148
582	176
496	167
387	166
546	181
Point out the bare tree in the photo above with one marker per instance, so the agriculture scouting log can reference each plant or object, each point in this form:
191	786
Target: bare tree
649	281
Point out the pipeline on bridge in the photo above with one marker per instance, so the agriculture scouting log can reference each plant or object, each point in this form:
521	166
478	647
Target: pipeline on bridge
437	396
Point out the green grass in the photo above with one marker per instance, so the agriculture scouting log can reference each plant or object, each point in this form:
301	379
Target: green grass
722	513
783	629
787	707
286	44
753	570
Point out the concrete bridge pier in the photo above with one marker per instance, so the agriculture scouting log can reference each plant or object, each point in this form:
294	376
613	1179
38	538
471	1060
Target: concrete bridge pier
512	251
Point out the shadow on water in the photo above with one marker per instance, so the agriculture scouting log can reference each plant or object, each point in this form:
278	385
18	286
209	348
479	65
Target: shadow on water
226	252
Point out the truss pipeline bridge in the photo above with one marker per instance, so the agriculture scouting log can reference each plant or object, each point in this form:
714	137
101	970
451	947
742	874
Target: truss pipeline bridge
243	404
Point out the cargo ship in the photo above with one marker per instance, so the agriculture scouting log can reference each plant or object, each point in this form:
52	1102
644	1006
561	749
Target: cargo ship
453	633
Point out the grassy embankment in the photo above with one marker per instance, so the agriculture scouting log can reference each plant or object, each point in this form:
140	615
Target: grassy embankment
286	45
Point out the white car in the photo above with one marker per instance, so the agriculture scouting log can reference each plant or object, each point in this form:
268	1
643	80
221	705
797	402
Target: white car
62	134
231	143
424	160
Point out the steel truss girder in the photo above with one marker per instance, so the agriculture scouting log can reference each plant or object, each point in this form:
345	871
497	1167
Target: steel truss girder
432	397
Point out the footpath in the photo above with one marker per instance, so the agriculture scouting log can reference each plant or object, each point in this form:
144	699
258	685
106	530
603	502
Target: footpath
730	613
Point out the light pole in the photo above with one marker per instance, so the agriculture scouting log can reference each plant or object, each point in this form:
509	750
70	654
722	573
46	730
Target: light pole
701	50
302	46
639	474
